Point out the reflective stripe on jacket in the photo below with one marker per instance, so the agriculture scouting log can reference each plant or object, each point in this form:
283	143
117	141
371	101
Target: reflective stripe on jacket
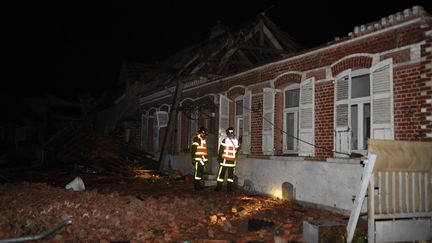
201	148
229	148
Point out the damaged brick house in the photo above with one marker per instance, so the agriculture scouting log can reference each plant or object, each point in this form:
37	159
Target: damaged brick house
301	114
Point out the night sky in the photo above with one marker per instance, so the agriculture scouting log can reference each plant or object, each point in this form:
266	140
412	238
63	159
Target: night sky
72	47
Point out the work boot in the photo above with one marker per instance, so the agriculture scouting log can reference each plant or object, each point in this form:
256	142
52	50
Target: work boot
197	185
229	187
218	187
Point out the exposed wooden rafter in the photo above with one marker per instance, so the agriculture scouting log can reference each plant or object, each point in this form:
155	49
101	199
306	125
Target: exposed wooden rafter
264	49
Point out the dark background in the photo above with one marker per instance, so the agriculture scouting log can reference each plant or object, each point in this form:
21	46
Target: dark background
71	47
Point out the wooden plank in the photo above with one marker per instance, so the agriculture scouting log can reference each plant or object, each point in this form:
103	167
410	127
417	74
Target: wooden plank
262	49
406	192
403	230
426	184
171	124
413	188
380	193
403	215
387	210
400	193
420	192
394	191
355	212
371	210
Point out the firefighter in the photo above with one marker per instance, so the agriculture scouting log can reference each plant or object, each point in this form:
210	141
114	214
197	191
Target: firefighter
228	151
199	156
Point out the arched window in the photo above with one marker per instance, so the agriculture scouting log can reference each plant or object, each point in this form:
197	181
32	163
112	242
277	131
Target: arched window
290	118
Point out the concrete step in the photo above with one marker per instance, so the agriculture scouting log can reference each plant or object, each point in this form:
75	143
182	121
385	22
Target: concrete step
209	177
210	182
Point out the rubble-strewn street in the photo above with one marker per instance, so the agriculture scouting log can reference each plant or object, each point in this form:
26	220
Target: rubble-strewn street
145	208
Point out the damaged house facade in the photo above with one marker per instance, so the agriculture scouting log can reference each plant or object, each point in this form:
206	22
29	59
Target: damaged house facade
302	115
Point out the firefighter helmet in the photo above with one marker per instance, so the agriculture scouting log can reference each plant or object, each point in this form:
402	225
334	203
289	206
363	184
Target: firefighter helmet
202	130
230	131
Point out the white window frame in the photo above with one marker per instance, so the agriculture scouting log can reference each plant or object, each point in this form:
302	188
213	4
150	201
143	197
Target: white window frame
179	131
360	125
155	134
360	102
162	118
294	110
192	128
224	106
144	131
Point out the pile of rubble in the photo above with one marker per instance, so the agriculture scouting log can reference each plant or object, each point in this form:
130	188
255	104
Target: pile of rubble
125	200
156	209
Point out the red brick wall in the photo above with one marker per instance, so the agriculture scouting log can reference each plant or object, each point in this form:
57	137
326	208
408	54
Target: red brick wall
318	74
406	93
315	59
256	124
409	82
278	124
324	119
355	62
398	56
231	114
425	85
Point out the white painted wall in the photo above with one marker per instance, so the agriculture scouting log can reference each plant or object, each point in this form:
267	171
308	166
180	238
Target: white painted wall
183	163
330	184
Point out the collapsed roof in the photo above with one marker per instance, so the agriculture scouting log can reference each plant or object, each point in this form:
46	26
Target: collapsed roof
227	52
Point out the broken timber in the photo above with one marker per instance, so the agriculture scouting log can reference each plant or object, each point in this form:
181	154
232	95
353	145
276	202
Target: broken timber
171	124
355	212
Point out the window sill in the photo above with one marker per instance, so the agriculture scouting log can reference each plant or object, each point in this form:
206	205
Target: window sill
344	160
287	158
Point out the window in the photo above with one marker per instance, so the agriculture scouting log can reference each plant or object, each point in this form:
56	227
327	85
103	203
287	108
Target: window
360	126
360	86
363	107
155	134
360	111
291	115
144	131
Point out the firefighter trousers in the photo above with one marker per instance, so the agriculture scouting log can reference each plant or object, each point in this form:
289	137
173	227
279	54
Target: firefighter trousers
230	176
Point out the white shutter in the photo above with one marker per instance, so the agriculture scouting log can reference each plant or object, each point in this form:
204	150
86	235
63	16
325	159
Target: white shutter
223	116
382	100
267	129
179	131
144	131
307	117
342	113
245	146
155	134
162	118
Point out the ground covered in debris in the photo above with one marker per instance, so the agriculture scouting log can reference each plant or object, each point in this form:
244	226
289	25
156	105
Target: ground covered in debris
146	207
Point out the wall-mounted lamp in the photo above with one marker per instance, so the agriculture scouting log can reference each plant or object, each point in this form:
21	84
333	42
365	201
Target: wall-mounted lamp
408	111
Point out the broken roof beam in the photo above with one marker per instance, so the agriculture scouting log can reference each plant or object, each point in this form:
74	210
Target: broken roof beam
263	49
245	59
